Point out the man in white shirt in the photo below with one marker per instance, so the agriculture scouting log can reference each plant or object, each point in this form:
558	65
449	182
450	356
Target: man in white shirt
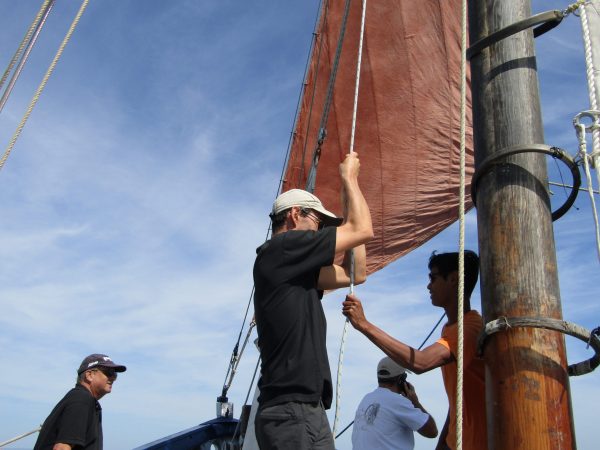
387	417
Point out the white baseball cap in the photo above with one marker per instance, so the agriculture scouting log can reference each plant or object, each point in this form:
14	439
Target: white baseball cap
304	199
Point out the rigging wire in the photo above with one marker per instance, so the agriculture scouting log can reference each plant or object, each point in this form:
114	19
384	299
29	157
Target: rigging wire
42	85
461	238
234	356
28	41
338	398
314	88
19	437
594	157
312	174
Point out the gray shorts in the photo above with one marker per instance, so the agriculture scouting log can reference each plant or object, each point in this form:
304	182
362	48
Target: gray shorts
293	426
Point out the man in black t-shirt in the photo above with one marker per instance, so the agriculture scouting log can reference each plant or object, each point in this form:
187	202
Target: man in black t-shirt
291	271
76	421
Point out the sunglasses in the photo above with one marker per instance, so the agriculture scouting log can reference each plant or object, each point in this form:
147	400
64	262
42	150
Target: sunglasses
308	213
108	372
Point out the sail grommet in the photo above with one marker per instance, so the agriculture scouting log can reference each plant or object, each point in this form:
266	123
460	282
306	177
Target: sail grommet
555	152
589	337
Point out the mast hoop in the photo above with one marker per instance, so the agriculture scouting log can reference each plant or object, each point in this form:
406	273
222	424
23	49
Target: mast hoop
572	329
546	21
555	152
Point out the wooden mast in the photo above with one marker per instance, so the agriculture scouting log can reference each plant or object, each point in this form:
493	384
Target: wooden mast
527	390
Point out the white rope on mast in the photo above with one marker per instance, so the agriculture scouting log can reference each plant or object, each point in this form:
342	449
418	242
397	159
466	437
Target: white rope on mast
42	85
593	87
581	130
591	71
461	233
338	390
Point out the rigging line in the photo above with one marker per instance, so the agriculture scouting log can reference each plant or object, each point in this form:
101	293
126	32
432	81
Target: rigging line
26	39
420	347
21	436
43	83
312	175
553	183
237	427
235	357
338	399
314	90
30	43
283	170
461	238
298	104
584	156
589	63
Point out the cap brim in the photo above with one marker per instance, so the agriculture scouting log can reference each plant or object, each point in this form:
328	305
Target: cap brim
117	367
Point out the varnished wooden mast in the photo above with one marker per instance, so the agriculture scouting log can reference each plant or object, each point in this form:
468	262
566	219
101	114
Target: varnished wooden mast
527	384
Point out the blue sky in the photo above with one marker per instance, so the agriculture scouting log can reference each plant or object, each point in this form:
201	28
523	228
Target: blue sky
131	207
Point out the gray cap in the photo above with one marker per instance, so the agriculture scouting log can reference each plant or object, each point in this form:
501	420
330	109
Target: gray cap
387	368
304	199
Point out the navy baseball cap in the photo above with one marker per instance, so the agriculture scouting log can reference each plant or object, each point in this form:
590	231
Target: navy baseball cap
96	360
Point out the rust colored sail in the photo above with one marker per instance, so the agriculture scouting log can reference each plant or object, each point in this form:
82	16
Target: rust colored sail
408	122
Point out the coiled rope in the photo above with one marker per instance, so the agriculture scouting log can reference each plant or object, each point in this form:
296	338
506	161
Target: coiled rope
43	83
338	396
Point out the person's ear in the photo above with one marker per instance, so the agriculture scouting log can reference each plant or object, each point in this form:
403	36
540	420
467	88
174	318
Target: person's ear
453	278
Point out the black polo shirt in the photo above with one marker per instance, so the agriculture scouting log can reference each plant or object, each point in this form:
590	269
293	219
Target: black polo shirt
289	316
75	420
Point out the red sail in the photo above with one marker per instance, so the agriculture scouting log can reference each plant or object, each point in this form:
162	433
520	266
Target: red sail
408	120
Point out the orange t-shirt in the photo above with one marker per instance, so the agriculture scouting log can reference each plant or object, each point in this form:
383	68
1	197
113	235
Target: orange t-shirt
474	416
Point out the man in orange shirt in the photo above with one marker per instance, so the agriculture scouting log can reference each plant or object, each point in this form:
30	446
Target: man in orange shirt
443	288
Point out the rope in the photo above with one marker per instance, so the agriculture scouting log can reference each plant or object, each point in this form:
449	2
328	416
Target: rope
26	39
594	115
590	70
16	438
580	128
312	174
43	83
338	398
461	238
573	7
28	42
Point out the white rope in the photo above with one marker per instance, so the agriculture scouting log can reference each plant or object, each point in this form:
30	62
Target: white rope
581	129
590	70
461	237
24	42
43	83
21	436
338	391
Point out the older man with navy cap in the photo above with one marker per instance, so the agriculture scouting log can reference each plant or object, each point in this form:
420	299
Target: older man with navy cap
291	271
76	421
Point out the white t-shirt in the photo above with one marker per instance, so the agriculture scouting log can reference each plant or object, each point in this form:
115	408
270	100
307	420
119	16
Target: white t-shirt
385	420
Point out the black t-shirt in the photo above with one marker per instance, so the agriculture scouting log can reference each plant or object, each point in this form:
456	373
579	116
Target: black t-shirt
75	420
290	319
